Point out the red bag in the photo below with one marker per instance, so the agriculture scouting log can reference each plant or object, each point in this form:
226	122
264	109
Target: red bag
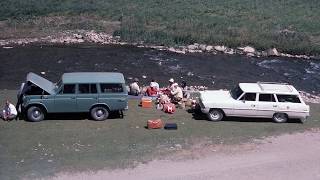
155	124
169	108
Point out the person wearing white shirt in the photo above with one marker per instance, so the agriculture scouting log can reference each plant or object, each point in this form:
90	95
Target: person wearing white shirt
134	87
154	84
177	93
9	112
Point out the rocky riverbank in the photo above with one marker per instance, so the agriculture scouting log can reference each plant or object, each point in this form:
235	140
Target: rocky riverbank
82	36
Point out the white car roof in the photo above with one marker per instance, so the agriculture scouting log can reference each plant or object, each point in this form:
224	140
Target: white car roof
274	88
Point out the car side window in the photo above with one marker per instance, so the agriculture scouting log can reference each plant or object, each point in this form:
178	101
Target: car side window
288	98
249	97
69	89
111	88
266	98
93	88
84	88
87	88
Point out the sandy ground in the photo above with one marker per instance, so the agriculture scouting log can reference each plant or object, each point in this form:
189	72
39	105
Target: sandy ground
293	156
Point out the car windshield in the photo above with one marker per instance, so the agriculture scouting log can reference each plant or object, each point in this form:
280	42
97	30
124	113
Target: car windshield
236	92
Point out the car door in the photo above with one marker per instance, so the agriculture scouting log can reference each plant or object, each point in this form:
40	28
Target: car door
65	100
87	96
267	105
113	95
246	105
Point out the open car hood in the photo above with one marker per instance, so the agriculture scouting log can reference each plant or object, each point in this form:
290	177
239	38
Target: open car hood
41	82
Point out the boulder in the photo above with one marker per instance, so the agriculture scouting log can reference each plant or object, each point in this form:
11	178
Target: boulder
202	47
272	52
78	36
250	54
209	48
229	51
192	47
249	49
220	48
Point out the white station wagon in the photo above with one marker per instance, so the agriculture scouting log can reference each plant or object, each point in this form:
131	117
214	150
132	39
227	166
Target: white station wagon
261	100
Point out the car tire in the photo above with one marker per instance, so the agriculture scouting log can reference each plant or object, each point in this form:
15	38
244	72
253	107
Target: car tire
35	114
280	117
215	115
99	113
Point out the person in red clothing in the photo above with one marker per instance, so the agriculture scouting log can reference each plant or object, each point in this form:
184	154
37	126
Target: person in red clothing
152	91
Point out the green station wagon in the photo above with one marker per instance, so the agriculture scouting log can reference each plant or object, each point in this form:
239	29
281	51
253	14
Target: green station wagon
98	93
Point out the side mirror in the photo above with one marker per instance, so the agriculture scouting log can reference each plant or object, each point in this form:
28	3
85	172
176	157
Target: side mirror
243	101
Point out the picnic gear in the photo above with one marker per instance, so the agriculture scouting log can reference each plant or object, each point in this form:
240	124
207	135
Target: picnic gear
171	126
164	99
169	108
146	102
155	124
159	106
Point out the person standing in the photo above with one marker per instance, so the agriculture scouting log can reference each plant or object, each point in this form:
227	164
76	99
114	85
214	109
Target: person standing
9	112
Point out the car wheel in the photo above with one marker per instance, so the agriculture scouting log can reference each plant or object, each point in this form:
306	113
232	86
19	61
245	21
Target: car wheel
280	117
99	113
35	114
215	115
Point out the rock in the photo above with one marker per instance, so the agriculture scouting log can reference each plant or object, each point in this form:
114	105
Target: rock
272	52
177	50
7	47
190	74
229	51
249	49
78	36
80	40
192	47
220	48
250	54
209	48
178	146
194	51
203	47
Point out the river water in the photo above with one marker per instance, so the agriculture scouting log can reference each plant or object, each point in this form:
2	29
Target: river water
214	71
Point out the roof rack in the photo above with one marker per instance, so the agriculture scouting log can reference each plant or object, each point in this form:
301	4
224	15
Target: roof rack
259	84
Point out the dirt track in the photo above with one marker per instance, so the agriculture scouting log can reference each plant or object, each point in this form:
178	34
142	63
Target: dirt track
286	157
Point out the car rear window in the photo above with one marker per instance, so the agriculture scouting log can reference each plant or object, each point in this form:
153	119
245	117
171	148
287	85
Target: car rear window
266	98
111	88
288	98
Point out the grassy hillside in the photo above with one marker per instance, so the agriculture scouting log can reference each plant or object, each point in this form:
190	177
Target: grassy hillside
292	26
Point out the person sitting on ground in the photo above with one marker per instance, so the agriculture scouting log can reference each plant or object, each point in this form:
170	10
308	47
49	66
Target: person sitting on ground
9	112
134	87
152	91
176	93
154	84
186	93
